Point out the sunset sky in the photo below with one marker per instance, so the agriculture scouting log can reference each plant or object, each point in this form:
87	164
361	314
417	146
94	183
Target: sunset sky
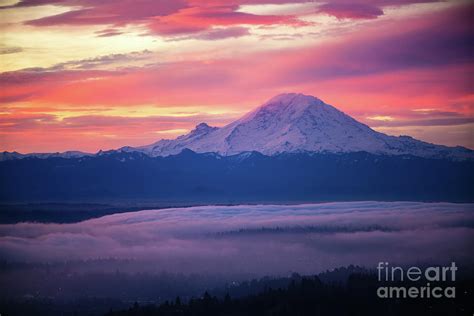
89	75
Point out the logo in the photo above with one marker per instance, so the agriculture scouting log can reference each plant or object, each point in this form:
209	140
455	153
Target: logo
424	276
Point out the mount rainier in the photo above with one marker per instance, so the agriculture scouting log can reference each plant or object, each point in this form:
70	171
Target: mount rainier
296	123
287	123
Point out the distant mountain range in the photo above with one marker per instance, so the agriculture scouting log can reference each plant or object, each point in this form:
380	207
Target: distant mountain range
287	123
67	154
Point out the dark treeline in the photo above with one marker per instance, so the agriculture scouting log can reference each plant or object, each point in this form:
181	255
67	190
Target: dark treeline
322	229
125	282
310	296
343	291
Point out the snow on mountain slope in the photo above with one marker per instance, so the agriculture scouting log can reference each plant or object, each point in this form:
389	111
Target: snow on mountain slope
291	123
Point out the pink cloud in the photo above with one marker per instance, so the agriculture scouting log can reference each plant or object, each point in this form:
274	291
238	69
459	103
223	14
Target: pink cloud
120	12
351	10
162	17
187	16
31	83
195	19
191	17
440	43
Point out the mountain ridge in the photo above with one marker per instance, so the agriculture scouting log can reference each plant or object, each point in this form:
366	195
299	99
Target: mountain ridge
242	178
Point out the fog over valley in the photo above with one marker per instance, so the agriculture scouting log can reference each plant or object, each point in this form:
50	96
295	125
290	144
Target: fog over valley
252	239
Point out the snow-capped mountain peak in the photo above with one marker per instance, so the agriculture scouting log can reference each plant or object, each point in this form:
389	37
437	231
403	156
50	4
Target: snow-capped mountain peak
290	103
294	122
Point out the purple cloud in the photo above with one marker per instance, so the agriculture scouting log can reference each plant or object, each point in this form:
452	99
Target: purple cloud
223	33
425	122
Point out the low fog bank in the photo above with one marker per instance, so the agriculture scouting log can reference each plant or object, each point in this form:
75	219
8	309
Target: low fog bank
202	247
268	239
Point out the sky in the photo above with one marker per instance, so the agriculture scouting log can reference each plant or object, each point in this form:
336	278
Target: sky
89	75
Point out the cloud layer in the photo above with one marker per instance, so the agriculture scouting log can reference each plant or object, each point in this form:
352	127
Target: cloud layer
258	240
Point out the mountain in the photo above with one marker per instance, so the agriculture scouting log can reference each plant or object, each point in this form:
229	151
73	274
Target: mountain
67	154
290	123
287	123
